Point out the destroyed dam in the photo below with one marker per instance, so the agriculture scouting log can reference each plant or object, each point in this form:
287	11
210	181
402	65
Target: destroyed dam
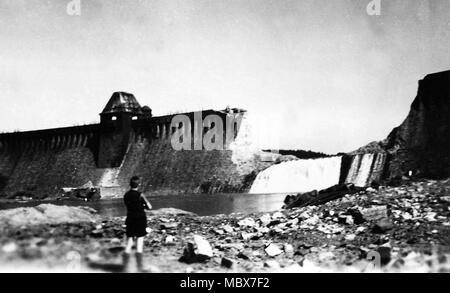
130	141
127	141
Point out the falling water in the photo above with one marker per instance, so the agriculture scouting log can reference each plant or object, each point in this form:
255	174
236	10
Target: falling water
365	168
298	176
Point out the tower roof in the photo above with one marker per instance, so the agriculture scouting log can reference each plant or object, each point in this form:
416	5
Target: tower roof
122	102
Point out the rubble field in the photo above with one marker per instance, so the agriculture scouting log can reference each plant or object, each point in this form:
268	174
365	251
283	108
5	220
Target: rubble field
392	229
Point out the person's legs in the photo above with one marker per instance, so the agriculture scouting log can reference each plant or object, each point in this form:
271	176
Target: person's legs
139	255
130	243
140	244
126	254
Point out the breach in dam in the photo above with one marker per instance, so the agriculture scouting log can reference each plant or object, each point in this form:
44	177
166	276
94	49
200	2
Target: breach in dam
129	140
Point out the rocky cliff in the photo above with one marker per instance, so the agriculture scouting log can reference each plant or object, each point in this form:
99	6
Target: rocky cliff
421	144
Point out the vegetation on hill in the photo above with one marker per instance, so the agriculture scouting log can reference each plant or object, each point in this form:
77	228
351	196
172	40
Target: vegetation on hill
301	154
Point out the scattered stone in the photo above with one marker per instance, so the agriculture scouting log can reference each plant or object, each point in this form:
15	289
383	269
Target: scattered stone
445	198
293	222
431	216
273	250
278	215
302	251
382	226
265	219
407	216
115	241
414	219
344	219
37	241
263	230
97	233
218	231
305	215
236	246
312	221
256	253
349	220
325	256
247	236
350	237
360	230
169	240
168	226
242	255
272	264
197	251
228	229
9	248
189	255
371	190
274	223
288	249
357	216
398	263
226	263
374	213
203	247
247	222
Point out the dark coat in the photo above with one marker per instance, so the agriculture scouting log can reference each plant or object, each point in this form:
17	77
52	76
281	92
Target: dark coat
136	221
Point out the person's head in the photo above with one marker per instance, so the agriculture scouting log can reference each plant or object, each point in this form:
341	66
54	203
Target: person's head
135	181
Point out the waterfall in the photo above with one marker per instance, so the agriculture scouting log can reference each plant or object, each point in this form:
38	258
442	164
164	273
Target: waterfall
109	177
298	176
365	168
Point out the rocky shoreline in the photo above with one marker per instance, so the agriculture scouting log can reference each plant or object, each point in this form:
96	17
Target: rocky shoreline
392	229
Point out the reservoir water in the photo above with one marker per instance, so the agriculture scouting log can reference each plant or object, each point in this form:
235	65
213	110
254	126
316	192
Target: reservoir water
201	204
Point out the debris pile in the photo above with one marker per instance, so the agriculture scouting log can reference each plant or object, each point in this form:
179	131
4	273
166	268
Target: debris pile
405	229
87	192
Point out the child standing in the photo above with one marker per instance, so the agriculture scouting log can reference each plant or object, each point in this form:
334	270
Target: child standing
136	222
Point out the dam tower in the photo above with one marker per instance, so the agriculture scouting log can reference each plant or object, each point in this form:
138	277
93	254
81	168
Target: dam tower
116	128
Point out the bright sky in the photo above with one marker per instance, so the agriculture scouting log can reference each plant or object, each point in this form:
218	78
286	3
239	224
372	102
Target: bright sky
314	74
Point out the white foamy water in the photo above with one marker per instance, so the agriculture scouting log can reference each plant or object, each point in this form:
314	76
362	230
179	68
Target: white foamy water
364	168
298	176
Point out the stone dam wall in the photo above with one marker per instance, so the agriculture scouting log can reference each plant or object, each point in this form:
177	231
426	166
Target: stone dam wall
42	162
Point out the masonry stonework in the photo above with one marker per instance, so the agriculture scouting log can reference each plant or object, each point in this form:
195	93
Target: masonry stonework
128	141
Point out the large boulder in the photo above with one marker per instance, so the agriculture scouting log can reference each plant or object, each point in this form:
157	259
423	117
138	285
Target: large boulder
197	250
321	197
171	212
46	214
